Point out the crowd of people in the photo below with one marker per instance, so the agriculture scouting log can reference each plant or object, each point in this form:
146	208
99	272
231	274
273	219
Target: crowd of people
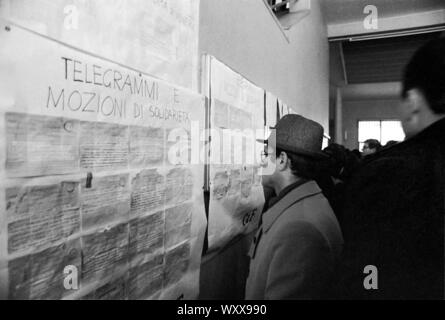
340	224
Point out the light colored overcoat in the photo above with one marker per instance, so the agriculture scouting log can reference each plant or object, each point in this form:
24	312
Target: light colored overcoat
296	249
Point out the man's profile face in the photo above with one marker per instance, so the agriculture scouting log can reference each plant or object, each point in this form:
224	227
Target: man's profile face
411	110
407	117
269	160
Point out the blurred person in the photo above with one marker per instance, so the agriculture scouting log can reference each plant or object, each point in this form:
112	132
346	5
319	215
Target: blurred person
390	143
357	153
342	162
371	146
341	165
394	204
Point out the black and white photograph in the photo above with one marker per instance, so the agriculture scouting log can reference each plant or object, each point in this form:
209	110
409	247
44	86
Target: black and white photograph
222	156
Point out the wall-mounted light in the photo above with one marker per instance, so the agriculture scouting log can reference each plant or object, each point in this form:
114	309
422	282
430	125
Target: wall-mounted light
289	12
298	10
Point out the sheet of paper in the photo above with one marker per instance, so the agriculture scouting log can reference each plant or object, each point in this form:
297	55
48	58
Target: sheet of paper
105	200
146	279
103	146
146	234
237	120
40	215
104	253
177	261
147	192
113	290
40	145
40	275
90	177
178	224
271	110
146	147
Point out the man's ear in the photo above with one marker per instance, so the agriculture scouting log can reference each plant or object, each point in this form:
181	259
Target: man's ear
282	161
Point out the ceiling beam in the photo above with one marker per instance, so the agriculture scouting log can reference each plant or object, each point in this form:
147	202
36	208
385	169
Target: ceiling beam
387	24
343	63
385	90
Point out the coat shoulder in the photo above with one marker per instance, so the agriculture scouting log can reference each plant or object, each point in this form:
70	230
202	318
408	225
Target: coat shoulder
311	218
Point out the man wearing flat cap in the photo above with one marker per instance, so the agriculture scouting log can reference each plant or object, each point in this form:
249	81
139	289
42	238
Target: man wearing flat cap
298	244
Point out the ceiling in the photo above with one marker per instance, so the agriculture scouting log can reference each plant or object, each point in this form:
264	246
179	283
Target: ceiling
380	60
344	11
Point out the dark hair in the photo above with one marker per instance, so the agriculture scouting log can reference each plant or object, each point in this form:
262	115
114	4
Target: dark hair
373	144
357	153
426	72
337	158
304	167
342	162
391	143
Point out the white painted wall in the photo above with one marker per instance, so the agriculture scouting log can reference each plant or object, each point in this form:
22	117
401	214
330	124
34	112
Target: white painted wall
244	35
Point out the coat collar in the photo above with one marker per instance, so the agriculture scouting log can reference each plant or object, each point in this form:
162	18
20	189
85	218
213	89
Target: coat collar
306	190
434	130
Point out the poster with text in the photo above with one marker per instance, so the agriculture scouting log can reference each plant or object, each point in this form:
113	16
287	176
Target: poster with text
271	111
236	121
100	197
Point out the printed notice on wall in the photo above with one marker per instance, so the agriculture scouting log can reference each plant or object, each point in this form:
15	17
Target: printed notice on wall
40	275
237	120
101	177
40	145
271	111
39	215
105	201
163	42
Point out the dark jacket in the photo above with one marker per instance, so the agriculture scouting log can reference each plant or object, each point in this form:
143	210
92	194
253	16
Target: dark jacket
394	219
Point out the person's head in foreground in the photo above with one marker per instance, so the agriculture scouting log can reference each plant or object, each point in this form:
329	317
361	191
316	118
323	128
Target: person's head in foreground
423	91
